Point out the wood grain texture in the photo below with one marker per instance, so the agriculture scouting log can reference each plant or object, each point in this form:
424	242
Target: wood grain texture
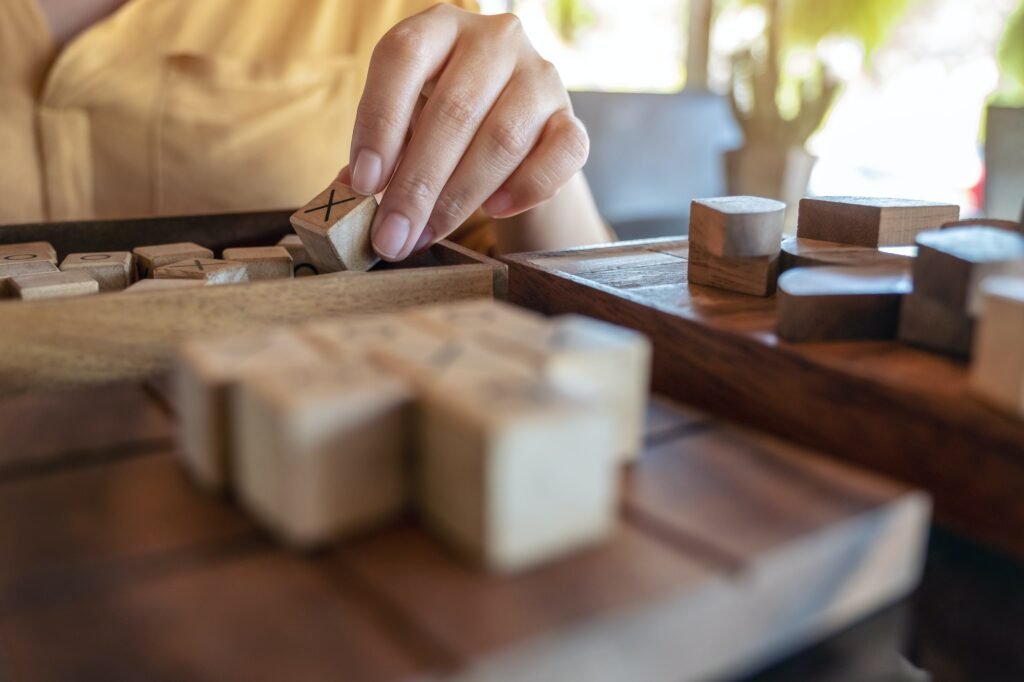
48	285
335	229
11	270
263	262
863	221
886	406
737	227
149	258
109	337
755	276
733	551
114	270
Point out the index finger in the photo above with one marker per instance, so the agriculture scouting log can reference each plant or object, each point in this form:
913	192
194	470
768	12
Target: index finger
404	61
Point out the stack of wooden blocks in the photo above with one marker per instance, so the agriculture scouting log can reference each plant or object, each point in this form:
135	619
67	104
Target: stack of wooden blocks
502	429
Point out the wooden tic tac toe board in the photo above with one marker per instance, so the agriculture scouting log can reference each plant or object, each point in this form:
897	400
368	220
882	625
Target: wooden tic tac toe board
111	336
879	404
732	549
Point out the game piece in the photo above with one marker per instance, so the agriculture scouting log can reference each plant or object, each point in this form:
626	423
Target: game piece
147	285
335	228
210	270
341	340
302	264
571	351
842	303
997	368
951	264
149	258
27	252
206	375
927	323
864	221
263	262
113	270
53	285
513	472
754	276
322	449
737	227
456	320
798	252
32	267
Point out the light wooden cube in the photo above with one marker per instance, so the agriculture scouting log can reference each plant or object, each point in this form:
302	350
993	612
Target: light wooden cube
208	270
951	264
842	303
27	252
113	270
929	324
149	285
263	262
754	276
357	336
302	264
10	270
149	258
865	221
322	450
53	285
613	362
335	228
513	472
458	320
737	227
206	375
997	368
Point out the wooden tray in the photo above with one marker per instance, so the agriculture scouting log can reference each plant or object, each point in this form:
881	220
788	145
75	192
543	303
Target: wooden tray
112	336
733	551
883	405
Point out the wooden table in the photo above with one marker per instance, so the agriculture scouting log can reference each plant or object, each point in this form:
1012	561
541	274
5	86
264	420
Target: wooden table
734	550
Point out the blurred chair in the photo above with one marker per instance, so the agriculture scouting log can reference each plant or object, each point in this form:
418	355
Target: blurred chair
650	155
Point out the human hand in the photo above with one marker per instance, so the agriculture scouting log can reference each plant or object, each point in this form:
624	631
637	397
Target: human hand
459	111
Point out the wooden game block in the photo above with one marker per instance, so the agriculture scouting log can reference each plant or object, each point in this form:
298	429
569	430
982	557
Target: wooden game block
927	323
612	362
147	285
335	228
951	264
986	222
737	227
32	267
997	367
513	472
206	375
842	303
113	270
53	285
27	252
209	270
798	252
356	336
466	318
322	449
754	276
445	364
864	221
302	264
263	262
149	258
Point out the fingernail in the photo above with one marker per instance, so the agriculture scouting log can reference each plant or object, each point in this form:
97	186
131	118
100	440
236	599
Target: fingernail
498	204
366	172
391	235
425	240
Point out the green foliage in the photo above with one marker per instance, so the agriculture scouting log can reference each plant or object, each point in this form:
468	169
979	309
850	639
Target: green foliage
1011	56
806	22
569	16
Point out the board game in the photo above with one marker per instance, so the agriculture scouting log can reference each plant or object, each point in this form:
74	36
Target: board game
891	407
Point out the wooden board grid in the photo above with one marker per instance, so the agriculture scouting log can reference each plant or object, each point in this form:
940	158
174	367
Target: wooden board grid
898	410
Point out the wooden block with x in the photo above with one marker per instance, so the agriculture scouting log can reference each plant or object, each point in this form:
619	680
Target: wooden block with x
335	229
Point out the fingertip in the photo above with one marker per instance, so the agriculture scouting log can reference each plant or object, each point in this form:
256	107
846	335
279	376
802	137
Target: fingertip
345	176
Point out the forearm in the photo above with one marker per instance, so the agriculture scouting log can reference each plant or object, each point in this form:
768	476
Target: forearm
568	219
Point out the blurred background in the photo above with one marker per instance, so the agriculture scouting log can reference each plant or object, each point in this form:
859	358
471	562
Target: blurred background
690	98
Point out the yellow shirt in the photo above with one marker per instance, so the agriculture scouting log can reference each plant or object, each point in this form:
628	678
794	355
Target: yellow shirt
182	106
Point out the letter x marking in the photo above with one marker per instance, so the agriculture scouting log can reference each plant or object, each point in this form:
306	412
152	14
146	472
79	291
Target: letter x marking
331	203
